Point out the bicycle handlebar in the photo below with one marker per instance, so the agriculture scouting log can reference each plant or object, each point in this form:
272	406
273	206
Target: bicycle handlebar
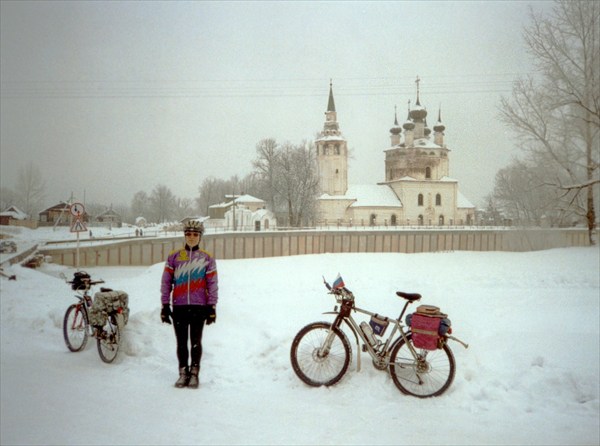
339	291
89	283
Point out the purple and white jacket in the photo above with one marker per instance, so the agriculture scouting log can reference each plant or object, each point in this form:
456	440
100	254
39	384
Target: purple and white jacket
190	275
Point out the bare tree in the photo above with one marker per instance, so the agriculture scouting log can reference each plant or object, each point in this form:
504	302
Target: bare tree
212	191
162	204
289	174
557	116
265	167
8	197
30	189
184	207
140	204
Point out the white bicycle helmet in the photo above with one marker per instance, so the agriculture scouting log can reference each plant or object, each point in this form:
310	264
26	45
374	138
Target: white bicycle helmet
194	225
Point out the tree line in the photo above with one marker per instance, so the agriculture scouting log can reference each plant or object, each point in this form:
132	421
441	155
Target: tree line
556	118
285	175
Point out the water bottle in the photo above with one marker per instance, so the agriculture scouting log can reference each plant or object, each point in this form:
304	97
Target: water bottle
368	332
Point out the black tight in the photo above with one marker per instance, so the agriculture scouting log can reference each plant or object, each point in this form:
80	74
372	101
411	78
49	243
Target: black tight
188	321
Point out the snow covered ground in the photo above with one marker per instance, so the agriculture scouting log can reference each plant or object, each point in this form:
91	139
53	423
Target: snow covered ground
530	376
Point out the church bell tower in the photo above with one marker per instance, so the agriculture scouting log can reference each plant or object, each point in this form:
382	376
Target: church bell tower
332	153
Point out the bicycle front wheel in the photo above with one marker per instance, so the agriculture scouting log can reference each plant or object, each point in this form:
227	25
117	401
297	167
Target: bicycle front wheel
75	328
317	362
110	339
429	374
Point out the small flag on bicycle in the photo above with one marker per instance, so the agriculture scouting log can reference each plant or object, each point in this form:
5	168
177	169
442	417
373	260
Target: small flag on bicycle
339	282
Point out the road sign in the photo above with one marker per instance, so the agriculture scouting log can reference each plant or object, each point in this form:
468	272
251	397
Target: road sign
77	210
78	226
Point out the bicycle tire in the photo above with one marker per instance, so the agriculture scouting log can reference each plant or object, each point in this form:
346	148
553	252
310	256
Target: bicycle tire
110	341
75	328
320	371
429	376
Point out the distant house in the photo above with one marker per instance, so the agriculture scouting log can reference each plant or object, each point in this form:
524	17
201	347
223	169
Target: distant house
217	211
109	218
12	213
243	213
243	219
141	222
59	215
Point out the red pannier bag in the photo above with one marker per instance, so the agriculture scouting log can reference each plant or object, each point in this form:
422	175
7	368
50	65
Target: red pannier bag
424	330
425	326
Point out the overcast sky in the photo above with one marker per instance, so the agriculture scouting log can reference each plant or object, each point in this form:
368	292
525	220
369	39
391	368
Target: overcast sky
112	96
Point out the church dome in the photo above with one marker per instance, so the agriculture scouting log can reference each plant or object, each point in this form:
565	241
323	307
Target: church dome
418	113
439	127
396	129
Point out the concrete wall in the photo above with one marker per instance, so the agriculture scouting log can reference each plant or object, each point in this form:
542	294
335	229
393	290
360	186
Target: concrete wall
148	251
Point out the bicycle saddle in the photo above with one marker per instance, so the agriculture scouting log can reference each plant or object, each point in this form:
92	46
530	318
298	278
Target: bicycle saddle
408	296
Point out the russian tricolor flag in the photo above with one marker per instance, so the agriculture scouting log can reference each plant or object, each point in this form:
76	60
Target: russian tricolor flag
339	282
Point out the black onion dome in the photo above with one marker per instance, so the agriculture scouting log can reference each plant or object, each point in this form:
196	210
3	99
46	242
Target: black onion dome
408	124
396	130
439	127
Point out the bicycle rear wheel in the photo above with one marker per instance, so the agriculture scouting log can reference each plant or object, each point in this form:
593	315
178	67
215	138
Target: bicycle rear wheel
314	364
110	339
430	374
75	328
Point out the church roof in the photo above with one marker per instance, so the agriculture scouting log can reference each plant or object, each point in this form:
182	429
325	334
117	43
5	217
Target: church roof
242	199
368	195
331	138
462	202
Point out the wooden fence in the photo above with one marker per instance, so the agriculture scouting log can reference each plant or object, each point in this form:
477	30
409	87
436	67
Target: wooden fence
245	245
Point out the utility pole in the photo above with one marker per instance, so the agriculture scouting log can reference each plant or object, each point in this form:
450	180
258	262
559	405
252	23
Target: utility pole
233	197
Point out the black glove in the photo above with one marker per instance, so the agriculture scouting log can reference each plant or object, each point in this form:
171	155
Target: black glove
165	314
211	317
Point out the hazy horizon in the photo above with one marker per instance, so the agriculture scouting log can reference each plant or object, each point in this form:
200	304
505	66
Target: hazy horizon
106	97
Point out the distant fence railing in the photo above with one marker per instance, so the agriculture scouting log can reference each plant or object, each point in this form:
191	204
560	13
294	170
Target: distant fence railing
245	245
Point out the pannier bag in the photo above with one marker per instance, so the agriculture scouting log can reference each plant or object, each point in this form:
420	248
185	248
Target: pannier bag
107	303
427	325
379	324
81	281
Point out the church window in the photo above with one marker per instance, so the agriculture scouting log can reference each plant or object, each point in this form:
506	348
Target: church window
372	219
337	149
337	171
438	200
420	220
441	220
420	200
394	220
428	172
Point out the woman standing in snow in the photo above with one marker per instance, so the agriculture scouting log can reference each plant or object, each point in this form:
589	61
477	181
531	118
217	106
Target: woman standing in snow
189	282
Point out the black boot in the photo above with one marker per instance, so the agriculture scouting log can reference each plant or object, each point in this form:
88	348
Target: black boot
184	377
193	382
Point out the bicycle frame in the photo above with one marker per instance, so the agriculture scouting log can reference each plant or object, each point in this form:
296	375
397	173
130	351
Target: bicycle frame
380	353
84	304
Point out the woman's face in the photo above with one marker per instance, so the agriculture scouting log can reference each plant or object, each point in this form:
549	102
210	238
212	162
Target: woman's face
192	238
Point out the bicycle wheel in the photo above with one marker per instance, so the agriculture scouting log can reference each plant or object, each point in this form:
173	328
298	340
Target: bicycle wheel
430	374
314	365
75	328
110	339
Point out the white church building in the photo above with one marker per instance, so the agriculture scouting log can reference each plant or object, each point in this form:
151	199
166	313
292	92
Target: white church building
417	189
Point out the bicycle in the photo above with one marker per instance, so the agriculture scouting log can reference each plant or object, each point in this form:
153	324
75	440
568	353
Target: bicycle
76	324
321	352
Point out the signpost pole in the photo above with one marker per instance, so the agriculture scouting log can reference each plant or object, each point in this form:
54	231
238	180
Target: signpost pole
77	211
